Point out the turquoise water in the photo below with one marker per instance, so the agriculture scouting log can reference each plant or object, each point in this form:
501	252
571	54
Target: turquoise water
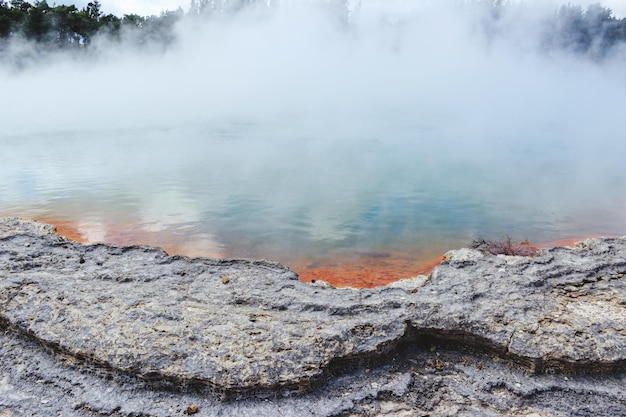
260	191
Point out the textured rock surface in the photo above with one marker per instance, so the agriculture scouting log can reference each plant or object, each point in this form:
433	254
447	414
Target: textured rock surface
131	331
564	309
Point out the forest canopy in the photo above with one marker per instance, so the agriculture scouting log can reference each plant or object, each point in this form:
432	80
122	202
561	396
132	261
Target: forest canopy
66	25
593	30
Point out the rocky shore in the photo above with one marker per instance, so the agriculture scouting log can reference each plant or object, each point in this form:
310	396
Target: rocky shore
129	331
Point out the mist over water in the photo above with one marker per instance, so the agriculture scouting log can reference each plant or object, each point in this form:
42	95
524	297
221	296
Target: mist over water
304	131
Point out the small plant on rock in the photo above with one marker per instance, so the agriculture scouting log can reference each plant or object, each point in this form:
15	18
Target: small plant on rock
506	247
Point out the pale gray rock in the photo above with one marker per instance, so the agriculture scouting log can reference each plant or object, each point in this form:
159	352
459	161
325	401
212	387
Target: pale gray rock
109	330
564	309
221	324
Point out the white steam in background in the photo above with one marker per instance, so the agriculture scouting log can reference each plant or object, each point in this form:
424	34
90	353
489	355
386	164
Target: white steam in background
492	118
150	7
139	7
430	59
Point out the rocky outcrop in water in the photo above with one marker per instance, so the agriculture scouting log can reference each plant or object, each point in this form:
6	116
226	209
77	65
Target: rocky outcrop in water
109	330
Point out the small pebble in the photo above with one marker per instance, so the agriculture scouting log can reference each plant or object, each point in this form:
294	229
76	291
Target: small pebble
437	364
192	409
225	279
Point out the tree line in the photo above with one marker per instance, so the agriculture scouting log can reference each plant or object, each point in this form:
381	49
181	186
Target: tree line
68	26
594	30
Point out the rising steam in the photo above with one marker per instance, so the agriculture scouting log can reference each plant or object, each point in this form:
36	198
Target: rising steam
388	112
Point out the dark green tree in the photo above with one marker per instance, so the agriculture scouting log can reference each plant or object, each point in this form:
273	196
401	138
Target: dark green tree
133	20
65	25
37	22
5	20
570	31
110	25
88	20
93	11
594	31
601	27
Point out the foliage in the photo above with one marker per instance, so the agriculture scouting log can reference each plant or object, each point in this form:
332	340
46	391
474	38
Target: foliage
505	247
67	26
593	31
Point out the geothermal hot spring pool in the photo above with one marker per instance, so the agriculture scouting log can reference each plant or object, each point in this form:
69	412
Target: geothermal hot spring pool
370	208
356	155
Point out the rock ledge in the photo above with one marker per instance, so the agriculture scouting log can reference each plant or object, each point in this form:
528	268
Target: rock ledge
236	326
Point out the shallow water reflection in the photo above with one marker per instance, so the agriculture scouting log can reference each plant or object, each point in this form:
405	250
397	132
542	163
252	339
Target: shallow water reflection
375	207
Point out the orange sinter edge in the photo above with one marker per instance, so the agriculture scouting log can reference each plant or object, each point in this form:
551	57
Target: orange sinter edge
366	273
127	234
360	271
65	228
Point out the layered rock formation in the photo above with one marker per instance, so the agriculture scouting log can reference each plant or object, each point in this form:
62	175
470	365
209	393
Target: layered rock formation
132	331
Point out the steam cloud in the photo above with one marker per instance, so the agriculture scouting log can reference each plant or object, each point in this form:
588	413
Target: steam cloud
443	96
